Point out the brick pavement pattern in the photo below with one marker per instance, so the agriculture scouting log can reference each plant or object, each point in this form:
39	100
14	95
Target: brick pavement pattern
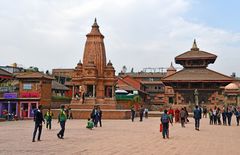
120	137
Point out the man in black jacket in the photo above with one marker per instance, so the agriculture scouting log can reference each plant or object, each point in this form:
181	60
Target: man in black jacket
197	116
38	118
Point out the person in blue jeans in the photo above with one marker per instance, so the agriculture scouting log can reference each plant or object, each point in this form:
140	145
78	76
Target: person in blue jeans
197	115
165	119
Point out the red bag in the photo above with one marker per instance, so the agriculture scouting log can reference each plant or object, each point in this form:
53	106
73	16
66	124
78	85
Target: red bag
161	127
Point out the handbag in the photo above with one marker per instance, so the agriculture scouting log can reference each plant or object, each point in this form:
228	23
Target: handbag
161	127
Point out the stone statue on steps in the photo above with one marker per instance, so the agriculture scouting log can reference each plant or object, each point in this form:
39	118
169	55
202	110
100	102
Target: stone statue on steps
196	96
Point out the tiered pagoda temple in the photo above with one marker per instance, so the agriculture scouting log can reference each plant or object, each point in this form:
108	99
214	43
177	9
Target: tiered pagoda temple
196	77
93	80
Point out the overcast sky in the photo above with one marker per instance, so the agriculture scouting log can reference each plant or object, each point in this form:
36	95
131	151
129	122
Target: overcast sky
138	33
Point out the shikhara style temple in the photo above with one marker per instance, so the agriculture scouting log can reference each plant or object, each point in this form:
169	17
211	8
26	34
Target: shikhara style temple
93	80
195	76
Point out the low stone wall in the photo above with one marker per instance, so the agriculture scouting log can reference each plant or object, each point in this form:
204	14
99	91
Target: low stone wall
90	106
2	119
106	114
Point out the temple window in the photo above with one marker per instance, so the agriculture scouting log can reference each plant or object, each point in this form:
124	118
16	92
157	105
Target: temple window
90	91
108	91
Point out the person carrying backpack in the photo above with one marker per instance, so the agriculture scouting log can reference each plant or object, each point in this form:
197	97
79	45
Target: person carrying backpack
165	119
62	117
48	116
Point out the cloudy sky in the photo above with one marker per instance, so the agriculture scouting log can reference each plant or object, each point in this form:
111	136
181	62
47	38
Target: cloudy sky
138	33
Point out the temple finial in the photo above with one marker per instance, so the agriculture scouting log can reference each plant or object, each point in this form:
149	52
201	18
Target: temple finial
80	62
194	46
95	23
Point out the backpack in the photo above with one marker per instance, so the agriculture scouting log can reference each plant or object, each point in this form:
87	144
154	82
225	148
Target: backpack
165	118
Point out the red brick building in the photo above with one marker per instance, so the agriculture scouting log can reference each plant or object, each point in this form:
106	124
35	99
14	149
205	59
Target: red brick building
151	83
29	90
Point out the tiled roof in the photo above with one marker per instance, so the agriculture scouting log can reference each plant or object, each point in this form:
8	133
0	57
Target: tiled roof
151	82
146	74
132	82
32	75
129	83
58	86
197	74
196	54
4	73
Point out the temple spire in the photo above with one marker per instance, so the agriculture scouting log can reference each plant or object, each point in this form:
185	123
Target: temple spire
194	46
95	30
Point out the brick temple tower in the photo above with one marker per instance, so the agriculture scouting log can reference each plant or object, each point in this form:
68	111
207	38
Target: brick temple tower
93	81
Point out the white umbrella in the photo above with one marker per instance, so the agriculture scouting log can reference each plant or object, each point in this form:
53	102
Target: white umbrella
121	91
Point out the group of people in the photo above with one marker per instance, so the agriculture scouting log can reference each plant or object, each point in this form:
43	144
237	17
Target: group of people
181	116
64	114
224	116
216	116
95	118
39	120
142	112
8	115
167	117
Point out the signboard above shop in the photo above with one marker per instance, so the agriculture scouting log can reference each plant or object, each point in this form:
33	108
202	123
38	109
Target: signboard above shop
30	95
10	95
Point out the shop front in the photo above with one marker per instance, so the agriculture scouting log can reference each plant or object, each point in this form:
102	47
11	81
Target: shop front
29	102
9	104
27	108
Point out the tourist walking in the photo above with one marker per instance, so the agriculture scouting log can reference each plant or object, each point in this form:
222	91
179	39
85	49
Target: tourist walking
70	113
219	116
176	114
48	116
141	111
224	116
38	119
211	116
197	115
237	114
146	112
215	115
94	116
229	115
171	113
62	117
182	115
165	119
133	113
205	112
186	117
99	116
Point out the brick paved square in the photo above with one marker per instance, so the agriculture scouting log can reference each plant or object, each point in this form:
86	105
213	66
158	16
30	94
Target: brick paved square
121	137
